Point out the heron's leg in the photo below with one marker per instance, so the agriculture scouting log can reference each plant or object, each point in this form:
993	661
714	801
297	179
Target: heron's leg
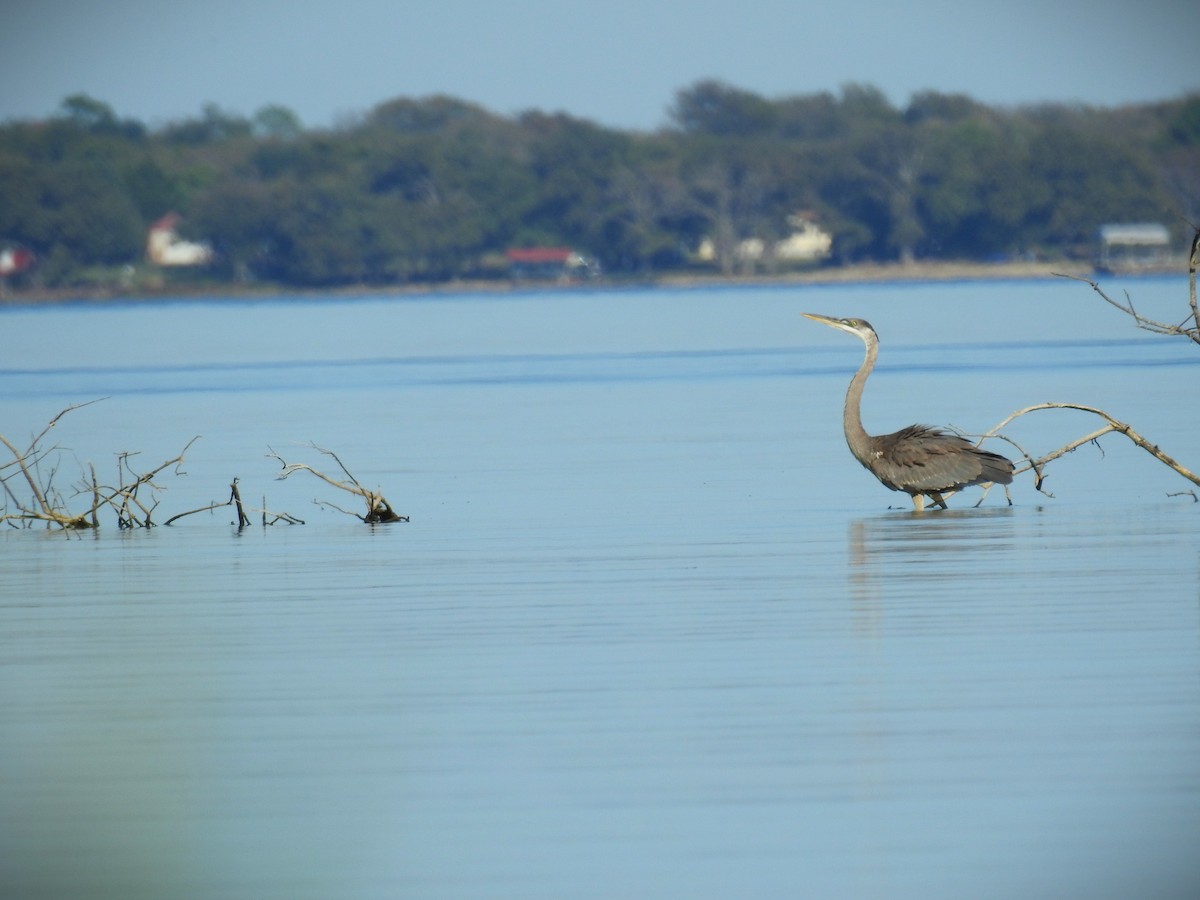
918	502
938	499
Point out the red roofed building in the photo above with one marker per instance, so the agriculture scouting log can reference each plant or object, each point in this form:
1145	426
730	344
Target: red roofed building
549	262
14	260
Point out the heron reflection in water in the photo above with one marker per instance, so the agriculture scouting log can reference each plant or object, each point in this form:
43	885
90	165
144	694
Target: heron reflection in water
918	460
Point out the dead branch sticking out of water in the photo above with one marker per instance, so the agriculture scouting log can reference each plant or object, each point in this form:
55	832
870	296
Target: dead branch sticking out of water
134	498
45	503
379	511
134	511
1038	465
1189	328
235	500
270	518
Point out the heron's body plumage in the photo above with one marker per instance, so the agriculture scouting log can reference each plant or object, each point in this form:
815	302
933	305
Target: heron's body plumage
918	460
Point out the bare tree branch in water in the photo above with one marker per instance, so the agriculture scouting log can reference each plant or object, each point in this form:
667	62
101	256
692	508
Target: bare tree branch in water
379	511
31	496
134	498
134	511
1038	465
45	503
235	500
1189	328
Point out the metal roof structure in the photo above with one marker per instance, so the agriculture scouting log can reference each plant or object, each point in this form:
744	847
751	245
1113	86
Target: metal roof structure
1135	234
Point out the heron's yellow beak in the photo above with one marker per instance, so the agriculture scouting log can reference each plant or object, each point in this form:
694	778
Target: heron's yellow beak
824	320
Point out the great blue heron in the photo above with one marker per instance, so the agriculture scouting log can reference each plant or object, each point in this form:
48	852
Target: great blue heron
918	460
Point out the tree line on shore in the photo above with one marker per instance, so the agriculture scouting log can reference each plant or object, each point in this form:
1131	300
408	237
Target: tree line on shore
436	189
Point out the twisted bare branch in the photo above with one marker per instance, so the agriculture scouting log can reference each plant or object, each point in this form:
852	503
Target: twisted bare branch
235	499
1188	328
45	503
1038	464
379	511
132	511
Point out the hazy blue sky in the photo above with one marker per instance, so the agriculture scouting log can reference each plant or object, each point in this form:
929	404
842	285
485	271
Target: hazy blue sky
618	62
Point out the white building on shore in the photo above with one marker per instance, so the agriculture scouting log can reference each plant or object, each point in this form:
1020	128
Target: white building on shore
164	247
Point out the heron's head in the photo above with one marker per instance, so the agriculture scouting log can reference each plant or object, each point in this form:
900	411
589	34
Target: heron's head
859	327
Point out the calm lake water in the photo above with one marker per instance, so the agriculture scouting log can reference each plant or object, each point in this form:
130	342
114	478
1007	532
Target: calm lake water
651	631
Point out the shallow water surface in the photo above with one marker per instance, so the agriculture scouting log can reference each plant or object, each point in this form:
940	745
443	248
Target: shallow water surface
651	630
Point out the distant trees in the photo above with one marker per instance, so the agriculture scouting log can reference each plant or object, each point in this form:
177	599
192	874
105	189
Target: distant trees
437	188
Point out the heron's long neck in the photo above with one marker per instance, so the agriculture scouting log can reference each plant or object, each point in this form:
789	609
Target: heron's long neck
856	435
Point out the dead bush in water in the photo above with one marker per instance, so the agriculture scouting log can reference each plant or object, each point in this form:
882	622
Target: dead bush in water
134	498
33	495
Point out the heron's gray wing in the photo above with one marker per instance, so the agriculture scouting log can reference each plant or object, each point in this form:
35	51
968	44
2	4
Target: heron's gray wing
919	459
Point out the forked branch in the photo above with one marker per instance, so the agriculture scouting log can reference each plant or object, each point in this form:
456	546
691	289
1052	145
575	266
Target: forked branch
1189	327
379	511
1038	464
29	494
132	510
44	504
235	499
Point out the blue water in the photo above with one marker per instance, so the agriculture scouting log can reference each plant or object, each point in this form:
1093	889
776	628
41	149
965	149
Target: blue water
650	632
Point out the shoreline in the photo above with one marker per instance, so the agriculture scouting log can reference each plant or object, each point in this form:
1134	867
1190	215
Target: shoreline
866	273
